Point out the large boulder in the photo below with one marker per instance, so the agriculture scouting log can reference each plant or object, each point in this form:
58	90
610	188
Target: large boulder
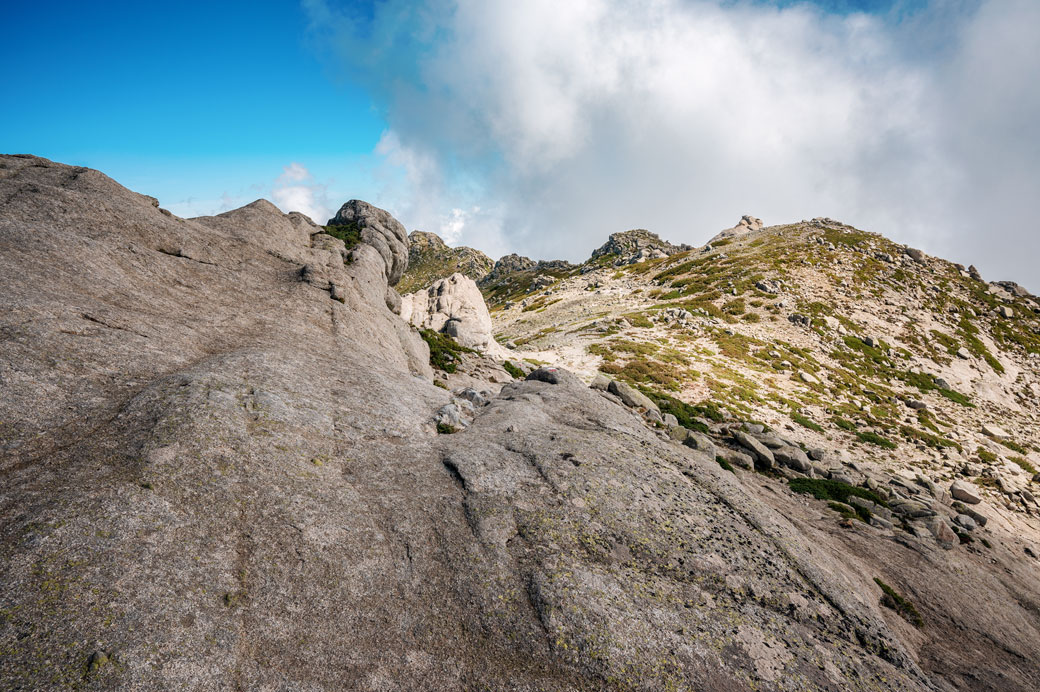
631	396
455	307
965	492
762	455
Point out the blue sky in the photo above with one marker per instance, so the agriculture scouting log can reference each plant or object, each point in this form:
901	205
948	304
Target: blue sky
185	102
539	127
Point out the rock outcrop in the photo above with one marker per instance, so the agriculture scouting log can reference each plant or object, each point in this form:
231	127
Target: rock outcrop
379	230
630	247
430	259
746	225
455	307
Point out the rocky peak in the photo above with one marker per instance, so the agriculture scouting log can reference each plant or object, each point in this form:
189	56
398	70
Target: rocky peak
430	259
747	224
637	245
507	265
380	230
750	222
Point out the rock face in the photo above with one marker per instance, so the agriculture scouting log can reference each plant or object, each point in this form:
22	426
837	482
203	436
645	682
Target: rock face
429	259
219	470
454	306
746	225
378	230
634	246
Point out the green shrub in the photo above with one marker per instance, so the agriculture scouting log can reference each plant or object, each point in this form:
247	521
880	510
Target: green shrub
824	489
805	422
513	370
445	429
444	351
1023	464
724	464
845	425
933	441
638	319
686	414
875	439
350	234
905	608
986	455
1014	447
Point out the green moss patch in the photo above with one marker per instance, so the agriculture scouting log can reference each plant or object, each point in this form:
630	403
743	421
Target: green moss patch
904	607
513	370
836	491
350	234
444	351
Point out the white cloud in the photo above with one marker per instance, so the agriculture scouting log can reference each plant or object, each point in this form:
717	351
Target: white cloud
567	121
295	190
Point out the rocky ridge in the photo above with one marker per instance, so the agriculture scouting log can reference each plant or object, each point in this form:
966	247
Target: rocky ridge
225	464
630	247
430	259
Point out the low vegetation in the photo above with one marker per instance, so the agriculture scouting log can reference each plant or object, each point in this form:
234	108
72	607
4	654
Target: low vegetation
513	370
350	234
444	351
894	601
835	491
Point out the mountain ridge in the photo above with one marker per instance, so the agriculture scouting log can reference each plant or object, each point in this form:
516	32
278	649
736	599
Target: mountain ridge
228	462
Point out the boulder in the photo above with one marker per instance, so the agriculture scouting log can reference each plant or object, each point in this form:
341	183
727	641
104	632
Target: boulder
942	533
735	458
455	307
631	397
695	440
808	378
915	254
994	431
763	457
965	492
965	522
793	458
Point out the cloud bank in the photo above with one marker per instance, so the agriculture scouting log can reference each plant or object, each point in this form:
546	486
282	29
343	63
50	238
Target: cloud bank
296	190
543	126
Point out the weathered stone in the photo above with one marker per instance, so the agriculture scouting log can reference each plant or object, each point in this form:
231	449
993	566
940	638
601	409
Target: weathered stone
942	533
763	457
600	382
994	431
965	492
701	442
631	397
735	458
456	307
808	378
965	522
793	458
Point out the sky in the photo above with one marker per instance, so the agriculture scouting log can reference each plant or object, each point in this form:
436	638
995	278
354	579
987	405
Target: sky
540	127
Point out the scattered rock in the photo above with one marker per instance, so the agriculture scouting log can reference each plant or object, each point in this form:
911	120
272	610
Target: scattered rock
994	431
763	457
735	458
631	397
793	458
807	378
965	492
